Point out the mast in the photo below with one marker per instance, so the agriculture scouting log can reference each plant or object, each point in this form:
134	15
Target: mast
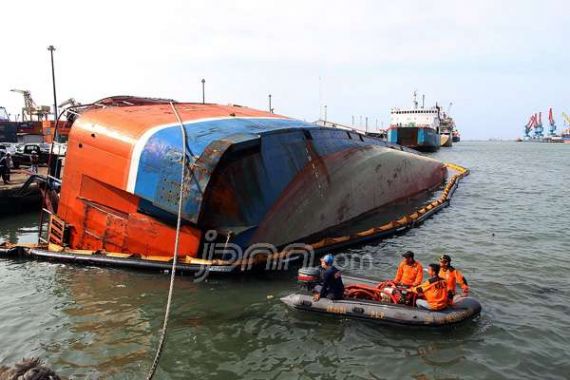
415	101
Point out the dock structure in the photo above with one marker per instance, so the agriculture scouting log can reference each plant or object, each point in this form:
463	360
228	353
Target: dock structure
22	192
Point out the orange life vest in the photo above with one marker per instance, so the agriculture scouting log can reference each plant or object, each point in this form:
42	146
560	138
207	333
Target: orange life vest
435	292
453	277
409	275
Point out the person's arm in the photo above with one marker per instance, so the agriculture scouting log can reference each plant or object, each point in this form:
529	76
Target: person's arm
399	274
419	275
462	282
451	282
419	290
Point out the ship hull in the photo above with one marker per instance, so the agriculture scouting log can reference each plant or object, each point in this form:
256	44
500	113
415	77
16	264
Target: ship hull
252	177
456	139
418	138
446	140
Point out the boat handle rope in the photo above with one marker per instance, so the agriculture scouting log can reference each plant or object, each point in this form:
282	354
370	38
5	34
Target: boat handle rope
162	340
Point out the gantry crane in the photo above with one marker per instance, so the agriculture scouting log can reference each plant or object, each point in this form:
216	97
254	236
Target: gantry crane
566	119
30	108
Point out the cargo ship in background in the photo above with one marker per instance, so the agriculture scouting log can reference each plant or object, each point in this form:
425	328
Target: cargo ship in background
417	128
252	177
447	126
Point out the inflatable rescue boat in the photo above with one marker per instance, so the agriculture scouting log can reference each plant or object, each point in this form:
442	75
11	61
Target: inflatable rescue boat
388	312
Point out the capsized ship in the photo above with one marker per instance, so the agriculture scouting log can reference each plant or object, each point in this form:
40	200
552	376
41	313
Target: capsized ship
417	128
253	177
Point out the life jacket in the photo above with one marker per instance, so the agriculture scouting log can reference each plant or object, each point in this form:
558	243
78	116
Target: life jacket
453	277
409	275
435	292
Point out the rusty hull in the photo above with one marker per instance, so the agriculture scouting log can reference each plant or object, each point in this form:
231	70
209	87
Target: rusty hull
252	175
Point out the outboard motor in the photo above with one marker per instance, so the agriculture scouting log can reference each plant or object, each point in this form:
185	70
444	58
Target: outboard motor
308	277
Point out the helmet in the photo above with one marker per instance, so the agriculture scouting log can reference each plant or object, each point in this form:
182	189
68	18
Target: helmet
328	259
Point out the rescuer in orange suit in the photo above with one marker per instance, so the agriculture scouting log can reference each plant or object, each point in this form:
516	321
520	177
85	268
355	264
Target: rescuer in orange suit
452	276
410	271
433	291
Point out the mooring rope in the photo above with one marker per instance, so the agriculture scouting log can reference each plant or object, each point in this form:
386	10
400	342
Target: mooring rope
162	340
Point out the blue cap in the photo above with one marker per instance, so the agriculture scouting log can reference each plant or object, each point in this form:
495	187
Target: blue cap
328	259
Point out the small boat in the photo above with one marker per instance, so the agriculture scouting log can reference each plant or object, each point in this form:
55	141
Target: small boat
463	308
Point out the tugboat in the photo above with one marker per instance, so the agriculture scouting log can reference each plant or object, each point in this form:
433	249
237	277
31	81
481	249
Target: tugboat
416	128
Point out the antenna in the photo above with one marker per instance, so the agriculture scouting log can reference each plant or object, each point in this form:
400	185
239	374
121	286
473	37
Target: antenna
423	100
415	100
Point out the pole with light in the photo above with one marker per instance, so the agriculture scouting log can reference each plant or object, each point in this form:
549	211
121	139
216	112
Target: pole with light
51	49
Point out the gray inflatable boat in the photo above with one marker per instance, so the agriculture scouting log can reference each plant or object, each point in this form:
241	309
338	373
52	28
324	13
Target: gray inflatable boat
463	308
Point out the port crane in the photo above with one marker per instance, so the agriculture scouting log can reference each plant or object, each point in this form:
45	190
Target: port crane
30	108
532	122
566	119
552	129
535	123
538	129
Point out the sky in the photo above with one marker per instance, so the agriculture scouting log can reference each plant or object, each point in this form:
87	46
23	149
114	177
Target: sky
496	61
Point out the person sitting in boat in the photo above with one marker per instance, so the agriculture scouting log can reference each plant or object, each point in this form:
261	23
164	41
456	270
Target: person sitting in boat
452	276
332	286
410	272
433	291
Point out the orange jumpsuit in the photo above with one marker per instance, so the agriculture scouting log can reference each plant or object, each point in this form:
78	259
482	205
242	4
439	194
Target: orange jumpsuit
409	275
435	292
453	277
